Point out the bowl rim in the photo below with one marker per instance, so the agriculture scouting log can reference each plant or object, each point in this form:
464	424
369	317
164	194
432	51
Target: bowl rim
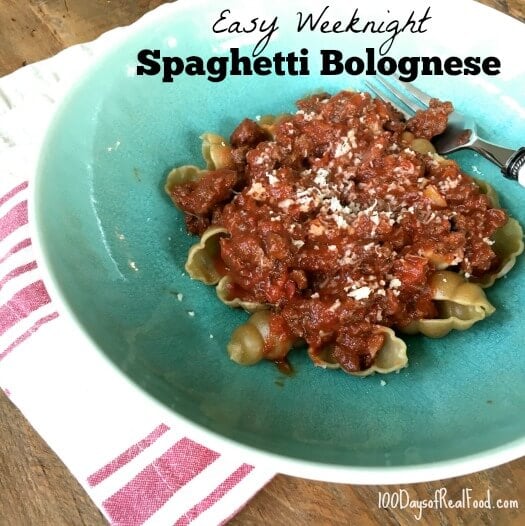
264	460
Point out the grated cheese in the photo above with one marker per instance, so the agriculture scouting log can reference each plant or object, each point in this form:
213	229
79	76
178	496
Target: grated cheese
395	283
272	179
360	294
320	178
335	305
342	148
257	191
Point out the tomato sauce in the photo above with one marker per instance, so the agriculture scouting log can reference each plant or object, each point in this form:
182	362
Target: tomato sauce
338	224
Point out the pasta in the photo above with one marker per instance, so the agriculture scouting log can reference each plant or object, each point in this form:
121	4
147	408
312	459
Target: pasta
336	225
460	304
216	152
390	357
252	341
224	293
202	263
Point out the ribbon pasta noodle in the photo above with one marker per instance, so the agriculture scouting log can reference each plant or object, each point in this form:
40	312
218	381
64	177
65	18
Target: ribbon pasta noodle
337	226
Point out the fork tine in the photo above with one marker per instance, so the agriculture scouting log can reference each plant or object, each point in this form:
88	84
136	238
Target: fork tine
419	95
403	98
384	99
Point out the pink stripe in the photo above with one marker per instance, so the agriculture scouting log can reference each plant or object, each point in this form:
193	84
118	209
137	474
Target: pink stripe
15	218
13	192
217	494
17	248
140	498
28	333
17	272
127	456
23	303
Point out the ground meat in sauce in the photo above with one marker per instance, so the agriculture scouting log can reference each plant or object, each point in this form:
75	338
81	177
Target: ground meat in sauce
248	133
200	199
339	225
431	122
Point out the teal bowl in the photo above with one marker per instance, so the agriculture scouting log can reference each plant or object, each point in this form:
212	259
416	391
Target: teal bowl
113	249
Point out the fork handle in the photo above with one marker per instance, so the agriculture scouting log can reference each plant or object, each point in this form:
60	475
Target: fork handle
511	162
515	168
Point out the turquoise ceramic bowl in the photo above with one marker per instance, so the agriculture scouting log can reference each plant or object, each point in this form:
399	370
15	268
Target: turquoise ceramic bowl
114	249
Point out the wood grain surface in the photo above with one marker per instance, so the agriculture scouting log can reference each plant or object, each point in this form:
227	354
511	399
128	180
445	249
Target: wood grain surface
37	489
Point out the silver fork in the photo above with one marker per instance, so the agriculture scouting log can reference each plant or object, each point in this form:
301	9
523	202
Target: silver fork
460	133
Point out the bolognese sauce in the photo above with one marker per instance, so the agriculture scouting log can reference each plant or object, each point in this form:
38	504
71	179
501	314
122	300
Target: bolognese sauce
337	219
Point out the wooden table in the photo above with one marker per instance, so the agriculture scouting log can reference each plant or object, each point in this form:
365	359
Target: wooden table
36	488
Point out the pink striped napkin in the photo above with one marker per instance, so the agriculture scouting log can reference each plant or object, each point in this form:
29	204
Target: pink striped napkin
130	454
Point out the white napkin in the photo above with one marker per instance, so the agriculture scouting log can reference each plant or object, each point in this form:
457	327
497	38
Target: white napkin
131	455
